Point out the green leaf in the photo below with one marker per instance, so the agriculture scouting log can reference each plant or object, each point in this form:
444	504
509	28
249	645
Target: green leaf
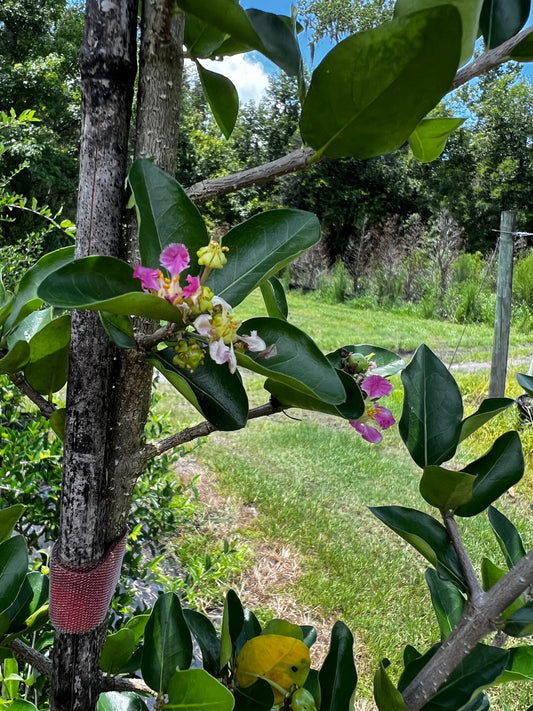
57	422
428	140
165	214
446	489
432	413
13	569
490	574
30	609
351	409
27	299
488	409
201	38
260	247
297	361
469	10
30	325
509	540
274	298
520	623
448	602
519	665
196	690
427	536
338	677
22	705
523	52
119	329
386	695
258	697
283	628
137	625
495	472
215	392
256	29
47	369
116	701
222	96
118	649
167	643
387	362
502	19
16	358
104	284
6	306
526	381
232	623
372	90
8	520
250	628
206	636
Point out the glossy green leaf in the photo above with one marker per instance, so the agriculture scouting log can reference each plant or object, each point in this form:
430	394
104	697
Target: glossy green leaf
428	140
372	90
526	381
519	665
116	701
137	625
118	649
351	409
47	369
387	362
167	643
386	695
30	609
222	96
250	628
8	520
232	622
448	602
520	623
15	358
22	705
283	628
201	38
523	52
432	412
104	284
446	489
6	306
427	535
309	635
57	422
469	10
337	676
274	297
13	569
165	214
488	409
196	690
27	299
258	697
30	325
296	360
490	574
119	329
256	29
495	472
206	636
260	247
502	19
215	392
509	540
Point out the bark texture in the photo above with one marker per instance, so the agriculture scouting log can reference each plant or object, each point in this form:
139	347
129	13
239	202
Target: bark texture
108	67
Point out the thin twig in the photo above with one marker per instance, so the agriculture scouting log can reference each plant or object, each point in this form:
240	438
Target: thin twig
474	587
121	683
155	449
46	407
146	341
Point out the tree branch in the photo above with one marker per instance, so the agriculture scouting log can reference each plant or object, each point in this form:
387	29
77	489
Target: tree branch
46	407
121	683
489	59
477	621
474	587
146	341
155	449
215	188
30	656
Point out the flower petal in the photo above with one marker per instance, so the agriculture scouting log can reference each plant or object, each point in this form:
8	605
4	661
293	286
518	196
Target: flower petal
221	353
203	325
384	417
192	288
149	277
376	386
253	341
175	258
367	432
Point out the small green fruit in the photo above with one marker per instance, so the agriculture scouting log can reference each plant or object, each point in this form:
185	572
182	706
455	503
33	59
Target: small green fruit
302	700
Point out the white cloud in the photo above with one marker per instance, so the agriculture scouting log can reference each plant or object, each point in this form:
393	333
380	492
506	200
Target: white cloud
249	77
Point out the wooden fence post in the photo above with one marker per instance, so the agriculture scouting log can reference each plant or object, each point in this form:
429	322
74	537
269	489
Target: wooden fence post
502	316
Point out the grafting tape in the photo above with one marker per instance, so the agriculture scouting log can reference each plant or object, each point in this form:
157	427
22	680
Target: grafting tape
80	596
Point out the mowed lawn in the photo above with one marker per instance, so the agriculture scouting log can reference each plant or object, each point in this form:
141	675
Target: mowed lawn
312	480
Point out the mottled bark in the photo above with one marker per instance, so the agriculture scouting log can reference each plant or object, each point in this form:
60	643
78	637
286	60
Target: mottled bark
108	66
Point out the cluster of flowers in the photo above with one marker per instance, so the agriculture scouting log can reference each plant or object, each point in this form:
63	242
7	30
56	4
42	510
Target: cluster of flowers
209	320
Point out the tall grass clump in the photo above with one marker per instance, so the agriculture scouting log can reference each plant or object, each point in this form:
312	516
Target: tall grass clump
335	286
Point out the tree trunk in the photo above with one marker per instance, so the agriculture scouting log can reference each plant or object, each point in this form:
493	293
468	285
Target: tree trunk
108	67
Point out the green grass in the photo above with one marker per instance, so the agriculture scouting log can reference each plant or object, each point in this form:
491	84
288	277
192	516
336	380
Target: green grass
312	482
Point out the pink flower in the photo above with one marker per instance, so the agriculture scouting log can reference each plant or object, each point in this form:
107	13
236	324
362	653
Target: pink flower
175	258
149	277
375	387
254	342
221	353
367	432
193	287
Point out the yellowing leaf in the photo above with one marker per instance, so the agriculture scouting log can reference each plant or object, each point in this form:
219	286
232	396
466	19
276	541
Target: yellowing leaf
285	661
